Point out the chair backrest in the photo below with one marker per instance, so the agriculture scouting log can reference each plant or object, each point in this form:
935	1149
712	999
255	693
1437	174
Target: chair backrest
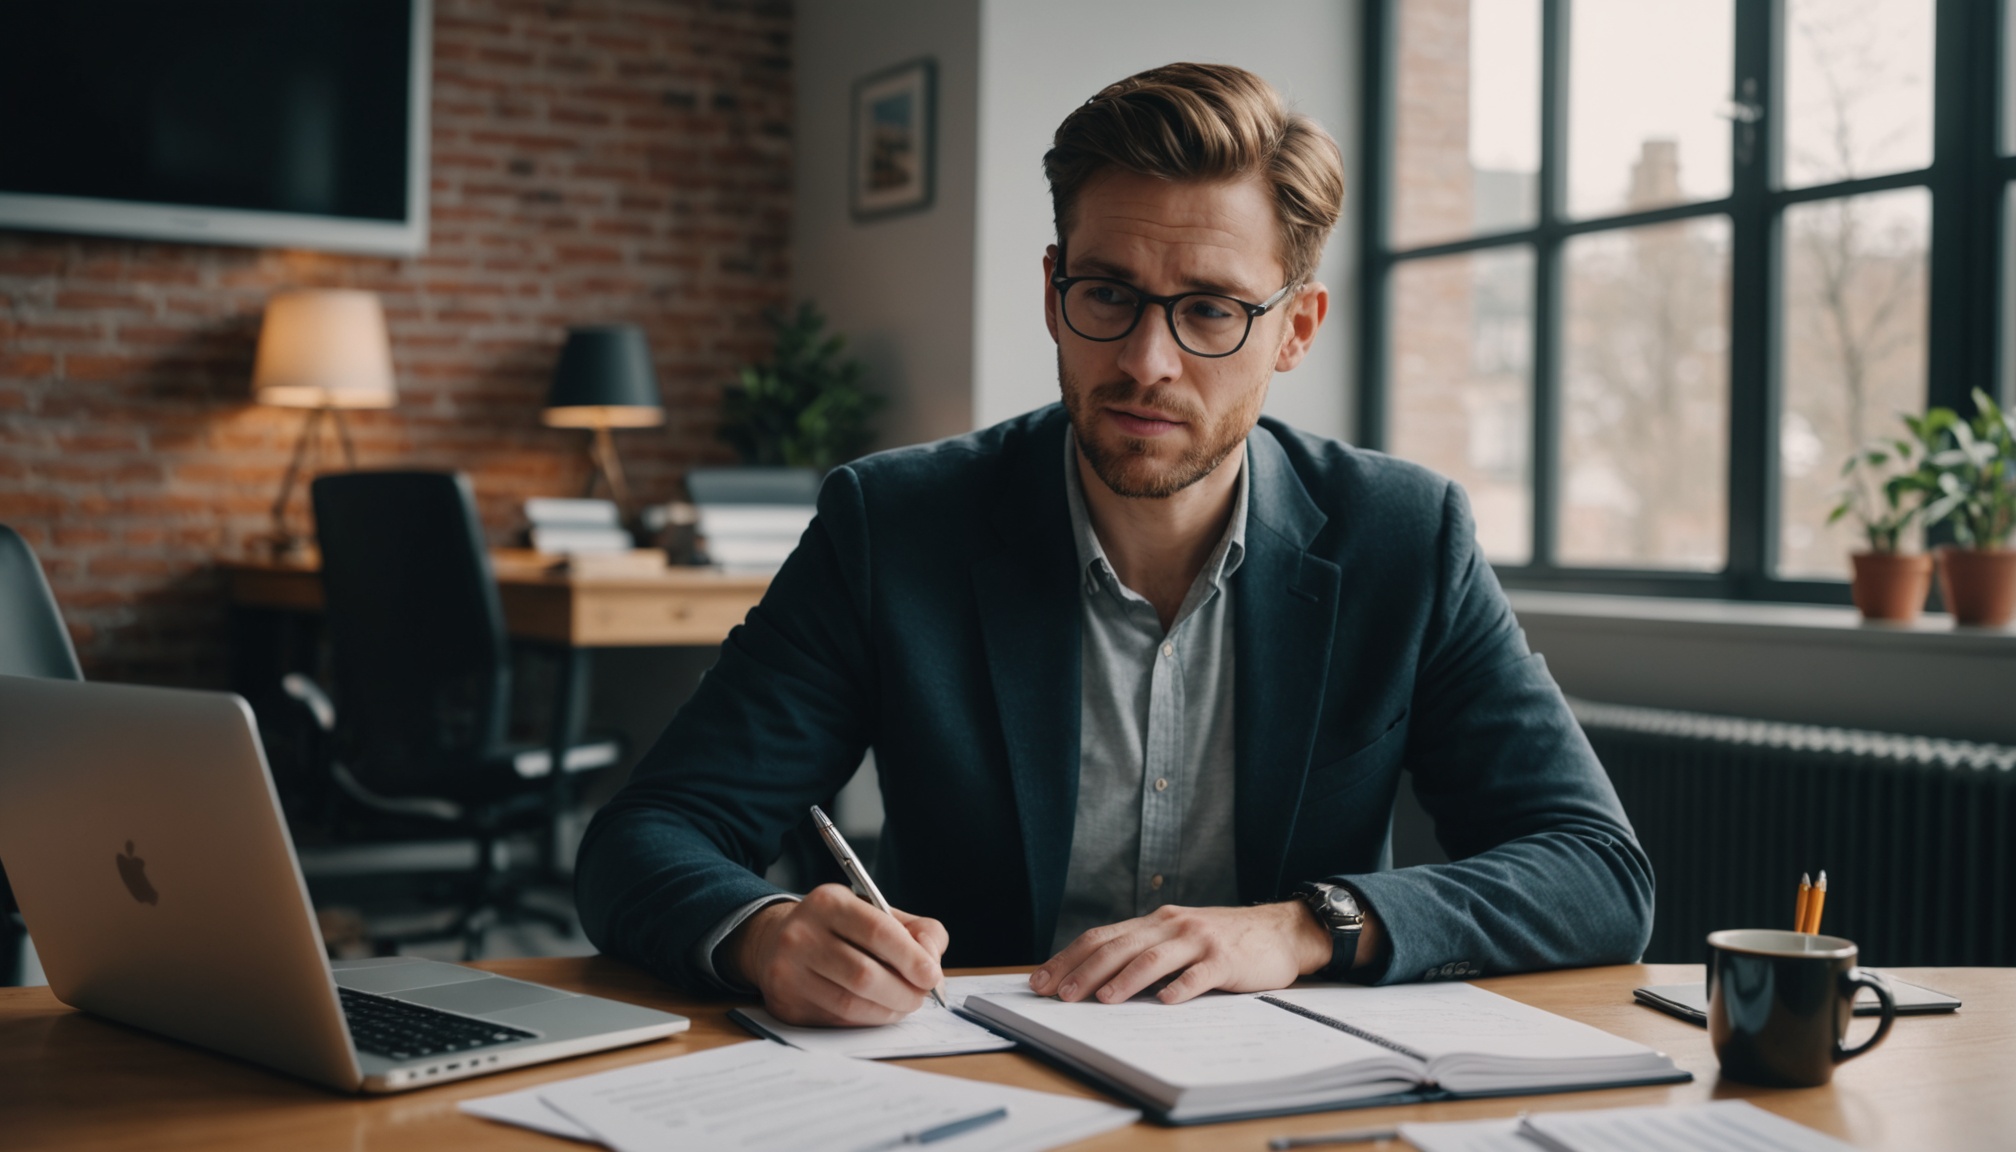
416	632
33	641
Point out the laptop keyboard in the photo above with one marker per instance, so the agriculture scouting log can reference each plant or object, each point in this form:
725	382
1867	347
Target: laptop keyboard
401	1031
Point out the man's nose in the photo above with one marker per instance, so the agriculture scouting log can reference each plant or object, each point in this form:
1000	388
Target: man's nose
1150	353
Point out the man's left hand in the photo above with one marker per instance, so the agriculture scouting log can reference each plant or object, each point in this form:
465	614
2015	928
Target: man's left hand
1256	949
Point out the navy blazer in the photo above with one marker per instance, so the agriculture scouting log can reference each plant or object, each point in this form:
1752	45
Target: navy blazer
931	612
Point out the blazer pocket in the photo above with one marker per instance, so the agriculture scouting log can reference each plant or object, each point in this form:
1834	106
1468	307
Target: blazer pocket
1367	763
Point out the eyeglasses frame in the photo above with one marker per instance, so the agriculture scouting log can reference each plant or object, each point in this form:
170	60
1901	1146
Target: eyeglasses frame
1063	283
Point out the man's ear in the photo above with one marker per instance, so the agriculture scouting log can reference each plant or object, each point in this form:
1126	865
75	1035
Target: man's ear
1049	292
1304	316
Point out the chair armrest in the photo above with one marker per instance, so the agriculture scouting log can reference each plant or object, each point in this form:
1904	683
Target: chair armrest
312	698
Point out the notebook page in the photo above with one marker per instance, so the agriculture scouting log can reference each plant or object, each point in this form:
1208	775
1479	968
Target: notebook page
1478	1041
1438	1019
1210	1041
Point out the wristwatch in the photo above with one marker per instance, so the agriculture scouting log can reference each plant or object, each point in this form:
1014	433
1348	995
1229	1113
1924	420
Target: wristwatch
1337	911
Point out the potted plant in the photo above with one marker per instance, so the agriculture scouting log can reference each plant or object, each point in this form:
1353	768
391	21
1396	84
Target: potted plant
1885	492
806	407
1971	484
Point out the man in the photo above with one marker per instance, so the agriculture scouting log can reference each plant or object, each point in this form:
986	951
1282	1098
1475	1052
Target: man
1142	672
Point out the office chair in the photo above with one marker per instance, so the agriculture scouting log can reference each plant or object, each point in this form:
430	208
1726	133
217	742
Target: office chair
33	642
417	733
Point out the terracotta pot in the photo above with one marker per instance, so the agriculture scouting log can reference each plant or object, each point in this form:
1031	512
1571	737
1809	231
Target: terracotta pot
1889	586
1979	585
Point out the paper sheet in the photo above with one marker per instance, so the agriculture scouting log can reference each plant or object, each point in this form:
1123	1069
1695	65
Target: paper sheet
929	1031
1714	1127
761	1096
526	1110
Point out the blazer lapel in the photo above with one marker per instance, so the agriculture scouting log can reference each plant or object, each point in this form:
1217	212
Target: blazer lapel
1285	614
1027	593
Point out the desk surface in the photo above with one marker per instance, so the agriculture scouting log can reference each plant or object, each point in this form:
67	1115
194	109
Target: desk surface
74	1082
677	606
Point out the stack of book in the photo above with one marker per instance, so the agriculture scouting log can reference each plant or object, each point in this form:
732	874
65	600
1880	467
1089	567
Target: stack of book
751	518
575	527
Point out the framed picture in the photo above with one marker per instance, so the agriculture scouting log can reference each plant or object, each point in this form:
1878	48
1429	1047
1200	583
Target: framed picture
895	121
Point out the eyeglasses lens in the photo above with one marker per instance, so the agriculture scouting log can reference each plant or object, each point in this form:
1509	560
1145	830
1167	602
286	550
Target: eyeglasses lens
1205	325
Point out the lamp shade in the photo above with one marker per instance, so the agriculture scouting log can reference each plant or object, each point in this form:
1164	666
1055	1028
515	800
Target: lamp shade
324	348
604	380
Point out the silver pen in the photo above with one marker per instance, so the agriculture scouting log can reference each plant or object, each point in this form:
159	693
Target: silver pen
858	876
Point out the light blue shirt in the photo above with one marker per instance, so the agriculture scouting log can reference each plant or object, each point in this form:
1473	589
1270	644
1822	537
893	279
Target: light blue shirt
1154	817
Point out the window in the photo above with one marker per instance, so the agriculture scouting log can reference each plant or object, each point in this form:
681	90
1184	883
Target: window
1640	273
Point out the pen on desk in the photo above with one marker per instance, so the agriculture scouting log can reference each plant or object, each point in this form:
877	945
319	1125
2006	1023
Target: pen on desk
1354	1136
1817	905
943	1131
1805	900
857	875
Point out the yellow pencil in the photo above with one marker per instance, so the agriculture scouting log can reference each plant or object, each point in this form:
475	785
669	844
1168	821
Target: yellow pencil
1805	898
1819	902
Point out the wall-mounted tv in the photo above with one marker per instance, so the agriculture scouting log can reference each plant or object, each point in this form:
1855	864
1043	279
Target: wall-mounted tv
288	123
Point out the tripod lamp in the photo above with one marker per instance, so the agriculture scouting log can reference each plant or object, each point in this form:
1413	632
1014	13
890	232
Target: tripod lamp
604	380
325	350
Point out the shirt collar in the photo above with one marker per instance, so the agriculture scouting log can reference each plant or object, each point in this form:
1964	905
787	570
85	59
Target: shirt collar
1092	563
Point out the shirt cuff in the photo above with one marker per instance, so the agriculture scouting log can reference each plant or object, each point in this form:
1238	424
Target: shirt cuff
703	952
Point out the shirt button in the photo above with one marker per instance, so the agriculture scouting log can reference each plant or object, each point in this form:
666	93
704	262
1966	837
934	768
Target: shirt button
1168	649
1155	881
1161	784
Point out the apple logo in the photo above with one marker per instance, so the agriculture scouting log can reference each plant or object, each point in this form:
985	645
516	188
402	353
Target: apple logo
133	870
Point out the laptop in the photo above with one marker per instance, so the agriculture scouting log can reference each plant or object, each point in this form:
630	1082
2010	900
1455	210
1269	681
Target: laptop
150	859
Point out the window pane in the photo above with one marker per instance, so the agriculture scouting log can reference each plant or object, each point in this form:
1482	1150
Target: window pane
1461	389
1647	81
1466	145
1858	89
1854	357
1645	397
2008	67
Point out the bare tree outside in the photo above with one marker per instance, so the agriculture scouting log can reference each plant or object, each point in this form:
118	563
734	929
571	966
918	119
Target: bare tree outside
1645	386
1854	300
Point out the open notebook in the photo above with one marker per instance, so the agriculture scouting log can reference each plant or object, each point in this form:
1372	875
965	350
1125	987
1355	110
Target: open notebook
1223	1057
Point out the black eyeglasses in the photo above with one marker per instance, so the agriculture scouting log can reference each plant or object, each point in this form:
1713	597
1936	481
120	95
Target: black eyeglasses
1203	323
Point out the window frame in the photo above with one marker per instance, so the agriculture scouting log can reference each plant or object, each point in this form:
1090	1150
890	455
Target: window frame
1966	182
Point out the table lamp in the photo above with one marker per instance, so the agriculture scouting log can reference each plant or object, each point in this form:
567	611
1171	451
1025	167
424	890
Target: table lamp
323	349
604	380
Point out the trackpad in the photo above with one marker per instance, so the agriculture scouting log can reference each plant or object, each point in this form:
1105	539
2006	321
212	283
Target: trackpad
480	996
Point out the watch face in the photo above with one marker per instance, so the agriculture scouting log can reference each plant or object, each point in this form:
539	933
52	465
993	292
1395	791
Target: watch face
1342	904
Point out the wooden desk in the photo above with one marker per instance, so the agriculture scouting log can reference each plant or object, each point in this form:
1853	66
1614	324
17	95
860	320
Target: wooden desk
676	607
73	1082
573	613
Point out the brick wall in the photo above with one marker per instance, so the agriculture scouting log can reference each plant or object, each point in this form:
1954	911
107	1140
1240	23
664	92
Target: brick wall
593	161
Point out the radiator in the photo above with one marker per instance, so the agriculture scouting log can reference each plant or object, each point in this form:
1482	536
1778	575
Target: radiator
1918	836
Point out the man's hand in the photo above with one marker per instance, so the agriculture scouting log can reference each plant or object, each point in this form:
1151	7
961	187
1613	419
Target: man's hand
1255	949
834	959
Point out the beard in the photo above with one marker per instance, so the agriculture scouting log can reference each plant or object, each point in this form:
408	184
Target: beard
1138	468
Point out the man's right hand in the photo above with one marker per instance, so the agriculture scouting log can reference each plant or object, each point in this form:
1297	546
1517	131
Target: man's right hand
835	959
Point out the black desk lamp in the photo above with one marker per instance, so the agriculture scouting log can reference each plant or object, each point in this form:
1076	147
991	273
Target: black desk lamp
604	380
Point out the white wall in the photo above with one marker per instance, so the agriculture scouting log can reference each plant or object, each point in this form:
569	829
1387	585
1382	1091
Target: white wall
900	287
1041	58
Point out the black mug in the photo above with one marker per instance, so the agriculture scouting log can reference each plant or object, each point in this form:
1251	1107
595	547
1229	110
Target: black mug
1779	1005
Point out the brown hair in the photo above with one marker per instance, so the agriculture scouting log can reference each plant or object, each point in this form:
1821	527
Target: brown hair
1205	122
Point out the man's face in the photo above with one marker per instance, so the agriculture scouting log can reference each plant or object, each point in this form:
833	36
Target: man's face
1150	417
